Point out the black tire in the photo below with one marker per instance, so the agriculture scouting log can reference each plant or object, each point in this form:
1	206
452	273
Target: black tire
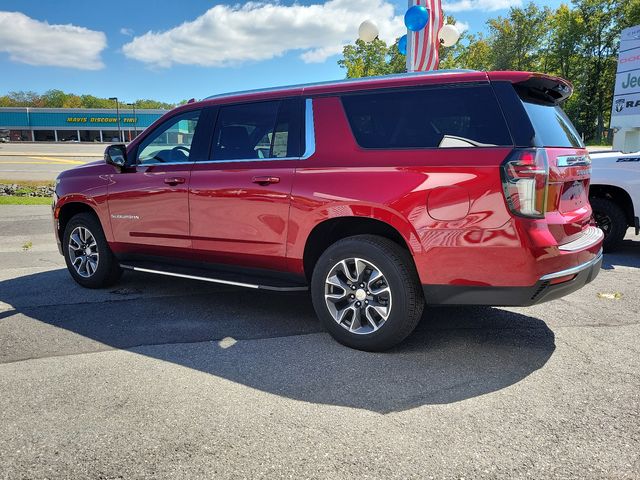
108	269
612	220
396	264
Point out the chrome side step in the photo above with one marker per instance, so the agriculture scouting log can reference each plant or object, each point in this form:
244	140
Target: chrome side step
220	281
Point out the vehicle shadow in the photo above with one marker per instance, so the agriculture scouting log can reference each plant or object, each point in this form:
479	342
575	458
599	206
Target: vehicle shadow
628	255
278	345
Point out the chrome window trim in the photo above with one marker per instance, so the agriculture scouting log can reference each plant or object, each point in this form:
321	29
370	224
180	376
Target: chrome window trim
309	142
309	130
161	164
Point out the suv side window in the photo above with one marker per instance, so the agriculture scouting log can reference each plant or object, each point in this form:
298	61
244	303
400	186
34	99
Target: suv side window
261	130
437	117
171	141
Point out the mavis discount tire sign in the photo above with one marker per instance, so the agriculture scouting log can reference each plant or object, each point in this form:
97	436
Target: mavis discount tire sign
626	99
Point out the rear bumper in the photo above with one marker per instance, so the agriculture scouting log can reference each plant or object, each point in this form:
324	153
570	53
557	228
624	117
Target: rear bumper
543	290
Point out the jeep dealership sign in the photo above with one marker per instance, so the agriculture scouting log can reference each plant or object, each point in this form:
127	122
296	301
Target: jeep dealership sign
625	112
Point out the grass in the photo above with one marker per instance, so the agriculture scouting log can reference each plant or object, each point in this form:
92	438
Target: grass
28	183
15	200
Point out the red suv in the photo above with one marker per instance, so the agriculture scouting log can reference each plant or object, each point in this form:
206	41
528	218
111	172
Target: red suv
379	195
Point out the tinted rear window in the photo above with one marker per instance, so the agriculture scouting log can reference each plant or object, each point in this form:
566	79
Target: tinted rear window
443	117
552	126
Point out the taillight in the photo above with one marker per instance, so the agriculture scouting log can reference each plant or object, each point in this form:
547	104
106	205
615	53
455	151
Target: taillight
525	175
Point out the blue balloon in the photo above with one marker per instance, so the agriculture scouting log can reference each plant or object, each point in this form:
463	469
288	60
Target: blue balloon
416	18
402	45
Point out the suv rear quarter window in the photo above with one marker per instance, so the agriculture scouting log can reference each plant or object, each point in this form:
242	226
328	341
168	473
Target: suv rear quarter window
435	117
533	121
552	126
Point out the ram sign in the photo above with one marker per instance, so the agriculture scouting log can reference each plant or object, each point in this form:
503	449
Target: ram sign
625	111
627	89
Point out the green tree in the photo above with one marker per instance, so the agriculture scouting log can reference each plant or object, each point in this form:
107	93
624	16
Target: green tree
58	99
517	41
90	101
23	99
54	98
397	62
601	24
154	104
366	59
562	55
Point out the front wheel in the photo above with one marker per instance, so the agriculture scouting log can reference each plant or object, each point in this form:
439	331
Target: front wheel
87	254
367	293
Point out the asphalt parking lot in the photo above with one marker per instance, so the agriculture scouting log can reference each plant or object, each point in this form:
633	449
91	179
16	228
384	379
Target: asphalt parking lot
44	161
167	378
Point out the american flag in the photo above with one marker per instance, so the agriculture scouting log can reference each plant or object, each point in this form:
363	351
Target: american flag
422	46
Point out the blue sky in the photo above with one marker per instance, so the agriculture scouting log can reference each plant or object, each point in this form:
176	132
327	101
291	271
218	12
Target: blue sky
172	50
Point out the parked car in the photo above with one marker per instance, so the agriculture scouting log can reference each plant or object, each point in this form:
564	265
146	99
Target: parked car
4	136
379	195
615	195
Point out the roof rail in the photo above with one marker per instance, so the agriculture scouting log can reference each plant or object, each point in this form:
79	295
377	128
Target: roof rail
339	82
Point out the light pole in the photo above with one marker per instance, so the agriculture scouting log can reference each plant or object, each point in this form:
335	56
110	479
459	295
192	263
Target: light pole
115	99
135	120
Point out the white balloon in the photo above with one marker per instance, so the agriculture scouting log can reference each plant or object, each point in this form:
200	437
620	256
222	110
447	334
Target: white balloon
368	31
449	35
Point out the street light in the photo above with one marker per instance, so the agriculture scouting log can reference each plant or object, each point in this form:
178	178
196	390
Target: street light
115	99
135	120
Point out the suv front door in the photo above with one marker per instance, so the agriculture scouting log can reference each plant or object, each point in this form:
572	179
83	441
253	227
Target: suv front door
148	202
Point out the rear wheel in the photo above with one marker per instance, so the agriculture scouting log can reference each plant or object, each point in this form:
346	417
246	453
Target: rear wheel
87	254
367	293
611	219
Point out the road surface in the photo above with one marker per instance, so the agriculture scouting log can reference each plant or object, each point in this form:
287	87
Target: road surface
168	378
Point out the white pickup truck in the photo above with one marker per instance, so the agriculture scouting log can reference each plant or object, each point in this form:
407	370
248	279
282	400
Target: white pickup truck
615	194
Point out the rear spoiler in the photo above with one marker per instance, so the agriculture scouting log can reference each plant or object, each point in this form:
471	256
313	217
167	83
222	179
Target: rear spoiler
537	87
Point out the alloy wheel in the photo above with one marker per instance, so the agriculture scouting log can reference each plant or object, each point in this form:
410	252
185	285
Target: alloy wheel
358	295
83	252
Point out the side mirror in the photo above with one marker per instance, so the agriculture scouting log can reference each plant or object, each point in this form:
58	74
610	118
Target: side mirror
116	155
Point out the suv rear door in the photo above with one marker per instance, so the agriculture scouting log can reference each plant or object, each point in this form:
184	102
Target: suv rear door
239	198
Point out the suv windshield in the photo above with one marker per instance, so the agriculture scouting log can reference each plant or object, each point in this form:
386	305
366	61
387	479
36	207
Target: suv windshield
553	127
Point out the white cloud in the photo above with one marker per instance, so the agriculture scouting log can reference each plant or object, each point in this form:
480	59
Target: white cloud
487	5
126	31
462	26
37	43
228	35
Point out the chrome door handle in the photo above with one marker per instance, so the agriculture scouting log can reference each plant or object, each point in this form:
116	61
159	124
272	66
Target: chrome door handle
174	180
266	180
